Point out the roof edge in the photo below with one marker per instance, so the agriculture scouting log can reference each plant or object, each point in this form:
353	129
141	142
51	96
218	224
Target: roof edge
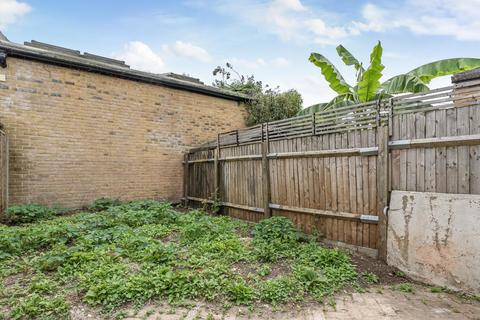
466	76
64	60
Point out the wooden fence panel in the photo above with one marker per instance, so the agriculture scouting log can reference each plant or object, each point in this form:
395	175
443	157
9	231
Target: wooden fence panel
447	169
330	173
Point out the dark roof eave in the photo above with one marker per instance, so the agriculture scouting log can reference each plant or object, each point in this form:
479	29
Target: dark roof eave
466	75
126	73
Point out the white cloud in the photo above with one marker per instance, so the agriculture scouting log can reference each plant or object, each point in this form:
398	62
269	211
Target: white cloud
312	87
289	20
186	49
456	18
141	57
257	63
324	34
292	20
11	11
294	5
280	62
246	63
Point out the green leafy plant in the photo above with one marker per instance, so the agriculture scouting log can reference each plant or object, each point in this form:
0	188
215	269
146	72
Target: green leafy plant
104	203
241	293
369	87
26	213
266	104
404	287
36	306
280	290
276	228
439	289
264	270
142	250
369	277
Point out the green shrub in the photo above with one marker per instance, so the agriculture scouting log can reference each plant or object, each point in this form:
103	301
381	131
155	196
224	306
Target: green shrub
281	289
276	228
276	238
26	213
104	203
268	103
36	306
240	292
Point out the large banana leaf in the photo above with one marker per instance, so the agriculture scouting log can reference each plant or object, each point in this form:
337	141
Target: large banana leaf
444	67
350	60
339	101
331	74
335	102
370	82
403	83
312	109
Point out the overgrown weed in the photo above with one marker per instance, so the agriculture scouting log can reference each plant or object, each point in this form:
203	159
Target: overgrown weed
142	250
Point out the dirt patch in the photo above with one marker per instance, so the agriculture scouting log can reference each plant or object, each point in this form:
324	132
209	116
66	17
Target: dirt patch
265	271
82	312
13	279
171	237
386	274
277	270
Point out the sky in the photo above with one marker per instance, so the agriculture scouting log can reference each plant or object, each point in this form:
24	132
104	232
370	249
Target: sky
271	39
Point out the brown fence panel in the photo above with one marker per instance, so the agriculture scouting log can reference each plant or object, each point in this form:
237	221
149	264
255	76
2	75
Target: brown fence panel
331	172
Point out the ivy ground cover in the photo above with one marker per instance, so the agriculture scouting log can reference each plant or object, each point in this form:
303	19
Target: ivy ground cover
142	251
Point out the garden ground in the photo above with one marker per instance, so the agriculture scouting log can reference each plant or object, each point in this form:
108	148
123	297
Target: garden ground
144	259
380	302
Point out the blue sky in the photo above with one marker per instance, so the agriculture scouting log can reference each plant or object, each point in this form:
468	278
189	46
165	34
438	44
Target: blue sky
271	39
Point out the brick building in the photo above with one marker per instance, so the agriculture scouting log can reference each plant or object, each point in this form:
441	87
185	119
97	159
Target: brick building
81	126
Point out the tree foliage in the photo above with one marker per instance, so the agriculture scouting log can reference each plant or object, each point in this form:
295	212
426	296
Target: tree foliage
369	87
267	104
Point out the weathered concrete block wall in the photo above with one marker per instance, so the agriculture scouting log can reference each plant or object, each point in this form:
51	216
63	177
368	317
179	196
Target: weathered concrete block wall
76	135
434	237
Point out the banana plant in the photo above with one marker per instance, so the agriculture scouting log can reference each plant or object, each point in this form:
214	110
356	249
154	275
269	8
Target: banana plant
369	87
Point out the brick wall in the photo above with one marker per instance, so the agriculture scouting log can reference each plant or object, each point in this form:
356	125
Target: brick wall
76	136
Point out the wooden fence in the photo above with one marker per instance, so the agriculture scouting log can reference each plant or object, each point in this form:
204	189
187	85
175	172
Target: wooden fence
332	172
3	173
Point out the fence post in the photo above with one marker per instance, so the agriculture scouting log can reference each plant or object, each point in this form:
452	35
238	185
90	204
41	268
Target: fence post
314	129
216	176
266	173
185	179
382	188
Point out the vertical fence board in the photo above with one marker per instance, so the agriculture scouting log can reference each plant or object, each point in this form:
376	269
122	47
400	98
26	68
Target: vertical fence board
451	153
441	152
430	163
463	128
475	152
419	134
411	175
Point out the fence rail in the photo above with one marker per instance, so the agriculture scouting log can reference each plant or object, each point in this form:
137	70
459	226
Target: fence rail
332	171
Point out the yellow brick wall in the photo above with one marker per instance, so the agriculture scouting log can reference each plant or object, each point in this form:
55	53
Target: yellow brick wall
76	136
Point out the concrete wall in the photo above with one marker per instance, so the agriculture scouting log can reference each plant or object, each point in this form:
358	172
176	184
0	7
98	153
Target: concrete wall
76	136
435	238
